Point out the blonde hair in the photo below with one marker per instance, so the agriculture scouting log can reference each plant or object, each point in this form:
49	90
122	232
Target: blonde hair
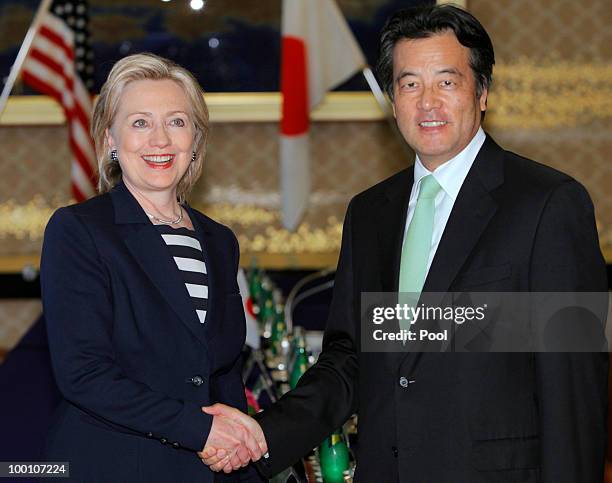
146	67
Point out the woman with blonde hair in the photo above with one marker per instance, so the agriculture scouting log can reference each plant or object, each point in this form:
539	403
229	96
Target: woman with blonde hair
143	312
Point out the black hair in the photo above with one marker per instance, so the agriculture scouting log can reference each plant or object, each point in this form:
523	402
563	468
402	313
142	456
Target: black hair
423	22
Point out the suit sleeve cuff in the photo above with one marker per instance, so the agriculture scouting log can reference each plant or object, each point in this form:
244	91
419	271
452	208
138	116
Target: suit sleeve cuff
193	428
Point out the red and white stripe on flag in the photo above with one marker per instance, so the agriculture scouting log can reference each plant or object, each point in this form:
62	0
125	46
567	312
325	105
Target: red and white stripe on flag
319	52
50	69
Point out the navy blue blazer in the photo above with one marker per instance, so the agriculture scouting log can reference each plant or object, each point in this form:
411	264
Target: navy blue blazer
131	359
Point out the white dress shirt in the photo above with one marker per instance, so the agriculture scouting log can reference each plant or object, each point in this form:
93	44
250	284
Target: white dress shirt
450	177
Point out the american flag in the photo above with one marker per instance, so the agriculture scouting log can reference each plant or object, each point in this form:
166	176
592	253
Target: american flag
60	65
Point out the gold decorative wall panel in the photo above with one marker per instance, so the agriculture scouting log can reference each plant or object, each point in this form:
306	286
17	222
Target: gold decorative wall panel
562	29
552	90
239	186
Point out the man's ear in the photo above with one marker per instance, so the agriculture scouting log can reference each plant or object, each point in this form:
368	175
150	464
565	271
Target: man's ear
483	99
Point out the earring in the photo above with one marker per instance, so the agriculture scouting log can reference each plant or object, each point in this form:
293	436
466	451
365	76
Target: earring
114	156
193	156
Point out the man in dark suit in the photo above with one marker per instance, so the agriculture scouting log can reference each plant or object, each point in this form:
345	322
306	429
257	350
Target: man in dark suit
495	222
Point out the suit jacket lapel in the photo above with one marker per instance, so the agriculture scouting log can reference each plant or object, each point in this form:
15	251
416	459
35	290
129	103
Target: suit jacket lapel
151	253
471	214
472	211
208	251
392	224
391	227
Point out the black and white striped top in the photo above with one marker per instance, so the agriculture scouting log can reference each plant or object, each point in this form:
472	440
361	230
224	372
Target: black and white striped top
187	252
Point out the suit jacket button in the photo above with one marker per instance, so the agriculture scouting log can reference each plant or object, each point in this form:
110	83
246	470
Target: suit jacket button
403	381
175	445
394	451
163	440
149	434
196	380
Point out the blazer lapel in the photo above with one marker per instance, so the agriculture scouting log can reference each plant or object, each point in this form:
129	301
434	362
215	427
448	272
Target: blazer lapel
392	224
208	251
151	253
391	227
471	214
472	211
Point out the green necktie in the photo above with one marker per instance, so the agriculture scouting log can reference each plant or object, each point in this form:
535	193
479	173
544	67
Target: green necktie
417	244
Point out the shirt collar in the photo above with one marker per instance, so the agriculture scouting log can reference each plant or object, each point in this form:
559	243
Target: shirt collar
451	174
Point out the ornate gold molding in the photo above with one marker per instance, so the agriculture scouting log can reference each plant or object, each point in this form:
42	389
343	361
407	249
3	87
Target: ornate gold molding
550	94
260	236
269	261
259	233
460	3
224	107
526	94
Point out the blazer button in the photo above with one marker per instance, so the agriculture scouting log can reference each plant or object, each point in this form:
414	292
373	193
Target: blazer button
163	440
149	434
403	381
394	451
175	445
196	380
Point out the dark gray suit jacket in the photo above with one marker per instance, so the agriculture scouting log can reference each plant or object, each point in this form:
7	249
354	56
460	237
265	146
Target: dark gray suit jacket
516	226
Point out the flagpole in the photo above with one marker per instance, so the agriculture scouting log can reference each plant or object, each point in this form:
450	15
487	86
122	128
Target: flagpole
384	105
23	53
376	90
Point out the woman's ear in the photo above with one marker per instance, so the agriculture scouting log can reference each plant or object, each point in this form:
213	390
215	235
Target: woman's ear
110	142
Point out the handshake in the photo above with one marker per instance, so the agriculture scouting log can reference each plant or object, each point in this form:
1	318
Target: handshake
235	439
